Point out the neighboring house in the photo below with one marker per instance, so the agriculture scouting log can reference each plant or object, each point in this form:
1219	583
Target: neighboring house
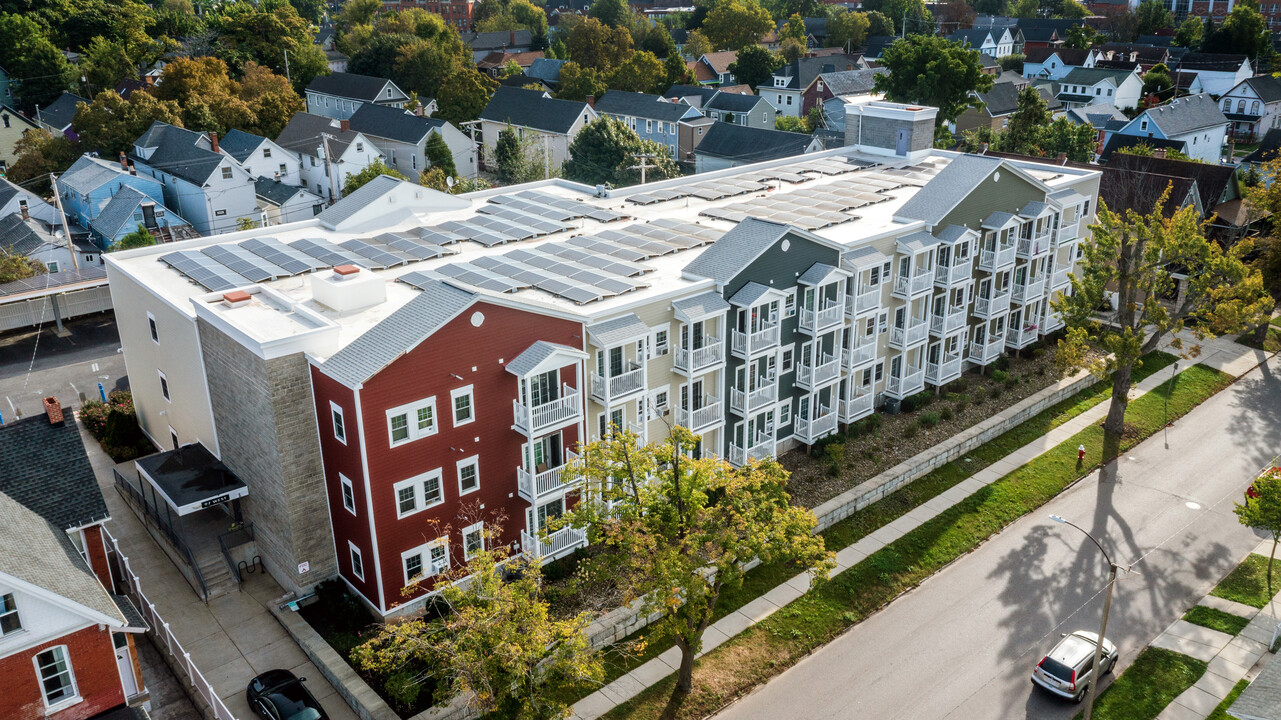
1188	83
749	110
327	39
546	124
546	70
67	647
1194	121
713	68
1269	149
38	240
997	42
1253	106
261	157
1089	86
328	151
402	137
1219	73
210	190
129	209
989	65
694	96
1127	56
92	188
785	90
727	145
16	199
1053	63
1114	142
839	84
1100	116
6	90
1041	33
999	104
280	203
484	43
456	13
493	63
1218	190
59	114
876	45
676	126
338	95
12	125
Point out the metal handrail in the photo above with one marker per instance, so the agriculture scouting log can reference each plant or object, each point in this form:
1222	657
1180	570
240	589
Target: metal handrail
164	526
247	529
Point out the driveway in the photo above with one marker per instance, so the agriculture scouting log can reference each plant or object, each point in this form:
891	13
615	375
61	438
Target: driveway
36	364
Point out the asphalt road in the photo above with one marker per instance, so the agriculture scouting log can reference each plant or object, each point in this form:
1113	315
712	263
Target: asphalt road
36	364
962	645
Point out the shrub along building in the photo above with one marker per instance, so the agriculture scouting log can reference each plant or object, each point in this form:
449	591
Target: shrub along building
411	365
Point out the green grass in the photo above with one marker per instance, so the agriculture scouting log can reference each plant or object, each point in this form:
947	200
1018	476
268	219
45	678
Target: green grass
1221	712
769	647
1216	620
1248	583
1156	677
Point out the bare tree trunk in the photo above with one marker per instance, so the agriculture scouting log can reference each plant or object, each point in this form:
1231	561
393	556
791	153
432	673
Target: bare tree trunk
1271	558
1261	333
1114	425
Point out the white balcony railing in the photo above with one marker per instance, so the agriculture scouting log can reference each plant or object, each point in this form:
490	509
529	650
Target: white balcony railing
533	486
1053	321
810	430
998	259
745	402
938	373
952	320
860	354
1029	291
865	301
559	543
826	318
711	354
1068	231
615	387
951	275
919	282
751	343
1021	337
912	334
984	353
1060	277
564	409
762	448
706	416
913	381
991	307
1034	247
810	376
857	407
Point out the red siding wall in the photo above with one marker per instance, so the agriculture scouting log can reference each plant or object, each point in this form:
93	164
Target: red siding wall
458	350
93	663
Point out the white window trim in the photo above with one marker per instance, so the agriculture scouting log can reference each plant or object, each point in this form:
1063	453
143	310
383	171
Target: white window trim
16	613
473	460
153	328
785	413
354	552
410	411
471	403
417	492
424	557
71	672
335	410
345	484
474	527
164	386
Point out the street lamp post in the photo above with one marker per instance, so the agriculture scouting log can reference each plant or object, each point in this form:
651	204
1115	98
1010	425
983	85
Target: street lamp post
1103	626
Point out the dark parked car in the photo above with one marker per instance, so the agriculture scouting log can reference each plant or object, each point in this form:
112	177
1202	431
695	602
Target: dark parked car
279	695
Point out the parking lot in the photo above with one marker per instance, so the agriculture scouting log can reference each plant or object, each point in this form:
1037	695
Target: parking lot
36	364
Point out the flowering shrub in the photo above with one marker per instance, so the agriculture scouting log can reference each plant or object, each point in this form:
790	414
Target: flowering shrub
115	425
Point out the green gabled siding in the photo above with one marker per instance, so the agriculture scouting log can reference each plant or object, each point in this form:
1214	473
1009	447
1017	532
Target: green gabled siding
1009	194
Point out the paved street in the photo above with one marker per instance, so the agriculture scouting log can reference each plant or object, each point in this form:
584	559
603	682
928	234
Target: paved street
962	645
38	364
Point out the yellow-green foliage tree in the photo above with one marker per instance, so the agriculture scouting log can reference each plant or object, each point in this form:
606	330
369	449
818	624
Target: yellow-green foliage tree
1262	511
736	24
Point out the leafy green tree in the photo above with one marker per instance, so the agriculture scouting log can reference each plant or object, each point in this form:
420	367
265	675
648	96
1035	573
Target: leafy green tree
313	11
989	7
358	12
1262	511
696	45
1023	134
40	152
615	13
439	155
794	28
1081	37
593	44
577	82
141	237
495	646
1243	32
352	183
518	161
1158	81
463	96
1189	33
956	14
847	29
1064	136
1074	10
933	71
1012	62
1132	257
677	71
378	56
27	54
264	35
804	8
791	50
423	65
14	266
110	123
879	23
605	149
518	15
736	24
1152	15
1024	8
640	72
659	42
106	63
754	66
919	19
677	530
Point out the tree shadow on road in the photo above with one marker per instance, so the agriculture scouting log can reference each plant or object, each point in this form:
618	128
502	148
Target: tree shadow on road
1257	420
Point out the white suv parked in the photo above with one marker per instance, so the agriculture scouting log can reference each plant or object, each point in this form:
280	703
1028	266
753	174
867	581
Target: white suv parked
1068	670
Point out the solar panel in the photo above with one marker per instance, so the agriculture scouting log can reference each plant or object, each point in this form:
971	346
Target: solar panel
204	270
281	255
608	263
476	233
437	236
603	215
243	262
420	279
328	253
479	277
417	249
378	257
615	250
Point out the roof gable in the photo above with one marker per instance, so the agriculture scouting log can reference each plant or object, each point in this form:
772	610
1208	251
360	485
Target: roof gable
952	185
365	88
45	468
534	109
728	140
1183	115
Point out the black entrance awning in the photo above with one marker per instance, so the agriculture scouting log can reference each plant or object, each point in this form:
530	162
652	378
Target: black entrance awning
191	478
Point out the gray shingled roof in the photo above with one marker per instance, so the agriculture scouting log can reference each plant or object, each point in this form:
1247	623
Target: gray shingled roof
531	109
1267	87
998	219
274	191
736	249
1262	699
700	306
864	257
1002	99
817	273
365	88
392	123
240	144
1186	114
950	186
751	144
62	111
641	105
118	211
703	92
1097	115
749	294
87	174
45	468
351	204
618	330
851	82
303	134
41	554
733	102
23	237
916	242
1033	209
525	362
133	618
1093	76
952	233
438	303
177	153
546	69
497	39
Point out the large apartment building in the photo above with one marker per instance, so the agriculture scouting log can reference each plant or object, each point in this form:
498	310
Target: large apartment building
392	374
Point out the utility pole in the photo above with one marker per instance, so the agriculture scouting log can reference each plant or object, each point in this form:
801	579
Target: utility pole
1103	626
475	158
643	166
287	76
903	29
333	188
57	198
547	159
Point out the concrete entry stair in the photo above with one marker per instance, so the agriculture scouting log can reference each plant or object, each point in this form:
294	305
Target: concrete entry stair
218	578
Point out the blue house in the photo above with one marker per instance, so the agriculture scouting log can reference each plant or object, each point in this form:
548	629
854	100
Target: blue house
211	190
653	118
110	199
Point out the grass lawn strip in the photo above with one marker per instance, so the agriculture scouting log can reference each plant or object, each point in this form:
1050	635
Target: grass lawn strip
1221	712
1216	619
1152	682
862	523
1248	583
811	621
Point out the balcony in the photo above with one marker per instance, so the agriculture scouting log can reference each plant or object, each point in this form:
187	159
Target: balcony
909	287
1068	232
558	544
1059	278
1032	290
548	416
745	402
999	259
948	276
692	362
866	301
985	353
861	354
1034	247
948	323
533	486
941	373
1053	321
826	319
1021	337
762	448
748	344
903	338
617	387
912	382
807	431
709	415
857	407
988	308
812	376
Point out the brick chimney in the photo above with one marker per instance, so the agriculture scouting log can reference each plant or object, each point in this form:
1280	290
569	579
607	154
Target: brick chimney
213	140
132	169
124	163
53	410
1159	153
344	125
1061	159
511	38
591	101
22	207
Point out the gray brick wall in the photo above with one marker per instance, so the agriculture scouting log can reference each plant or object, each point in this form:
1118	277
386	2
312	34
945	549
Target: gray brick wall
883	132
266	422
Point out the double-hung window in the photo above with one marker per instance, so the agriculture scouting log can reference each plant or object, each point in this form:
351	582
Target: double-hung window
426	560
57	682
348	493
164	385
473	539
469	475
464	410
340	427
418	493
9	620
357	561
411	422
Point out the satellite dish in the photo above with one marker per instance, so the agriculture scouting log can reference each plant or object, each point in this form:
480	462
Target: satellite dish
449	180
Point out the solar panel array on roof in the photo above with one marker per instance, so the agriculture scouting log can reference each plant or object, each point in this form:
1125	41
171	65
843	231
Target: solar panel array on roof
376	256
242	262
553	207
326	252
204	270
477	276
415	249
542	225
706	190
280	254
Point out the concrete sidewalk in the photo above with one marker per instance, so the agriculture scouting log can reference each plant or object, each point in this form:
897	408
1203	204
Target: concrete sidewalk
231	639
1221	354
